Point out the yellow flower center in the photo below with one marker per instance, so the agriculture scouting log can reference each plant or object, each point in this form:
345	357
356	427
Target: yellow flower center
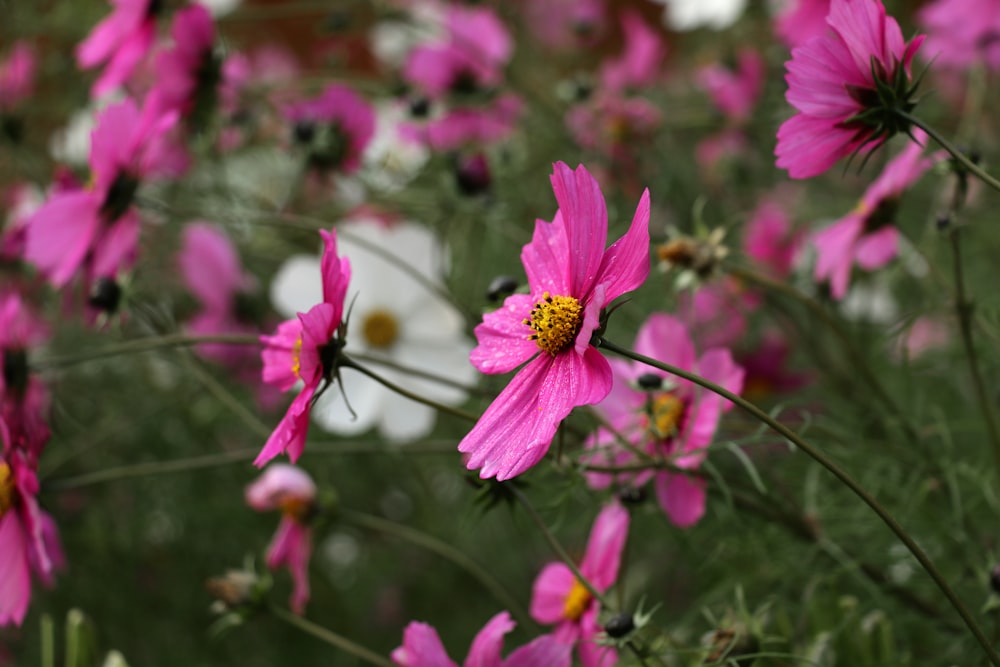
295	507
297	357
380	328
6	488
556	321
576	602
665	414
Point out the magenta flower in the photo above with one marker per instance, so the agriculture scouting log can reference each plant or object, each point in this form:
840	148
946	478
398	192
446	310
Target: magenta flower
335	127
475	126
17	76
867	236
962	33
572	278
300	350
122	40
29	540
422	648
558	598
640	63
186	69
847	85
666	416
770	240
801	20
735	93
24	399
289	489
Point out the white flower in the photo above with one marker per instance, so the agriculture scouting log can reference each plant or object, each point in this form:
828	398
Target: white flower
391	161
692	14
392	317
220	7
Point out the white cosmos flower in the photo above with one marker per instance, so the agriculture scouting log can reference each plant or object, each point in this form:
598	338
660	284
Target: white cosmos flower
692	14
393	317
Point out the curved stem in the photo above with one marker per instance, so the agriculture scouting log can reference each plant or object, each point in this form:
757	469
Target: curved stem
837	472
445	550
558	548
971	166
147	344
332	638
417	372
440	407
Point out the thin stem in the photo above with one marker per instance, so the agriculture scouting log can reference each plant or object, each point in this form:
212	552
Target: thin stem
332	638
837	472
440	407
558	548
418	372
444	550
971	166
963	309
147	344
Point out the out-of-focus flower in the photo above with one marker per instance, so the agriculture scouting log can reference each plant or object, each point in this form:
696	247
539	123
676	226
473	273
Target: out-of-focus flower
390	163
666	416
847	86
686	15
187	73
21	202
868	236
639	64
220	7
922	336
559	598
798	21
572	278
467	125
17	76
962	33
121	40
766	368
394	318
734	93
770	240
565	24
422	648
289	489
716	311
334	128
29	540
24	399
303	350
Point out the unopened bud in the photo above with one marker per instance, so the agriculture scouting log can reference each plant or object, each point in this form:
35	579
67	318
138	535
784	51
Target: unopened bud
619	625
105	295
472	174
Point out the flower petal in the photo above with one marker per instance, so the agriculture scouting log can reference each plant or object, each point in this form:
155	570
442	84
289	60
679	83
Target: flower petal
585	215
605	545
549	592
421	648
625	264
682	497
485	649
503	337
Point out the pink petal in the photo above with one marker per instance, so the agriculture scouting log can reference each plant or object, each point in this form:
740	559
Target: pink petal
664	338
485	649
875	250
210	265
544	651
290	434
682	497
809	146
586	221
605	546
116	248
549	592
421	648
835	252
591	653
279	482
277	355
15	577
126	57
625	265
292	547
503	337
545	259
61	234
336	274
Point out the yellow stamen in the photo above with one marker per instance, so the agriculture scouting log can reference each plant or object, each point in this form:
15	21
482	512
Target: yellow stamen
556	321
665	414
6	488
380	328
576	602
297	357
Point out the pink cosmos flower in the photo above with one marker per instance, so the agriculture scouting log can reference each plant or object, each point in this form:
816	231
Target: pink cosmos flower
24	400
867	236
422	648
665	416
17	76
612	124
801	20
299	351
289	489
735	93
716	312
558	598
770	240
189	64
97	228
122	40
962	33
565	24
336	127
29	540
476	126
21	200
639	65
572	278
766	367
847	85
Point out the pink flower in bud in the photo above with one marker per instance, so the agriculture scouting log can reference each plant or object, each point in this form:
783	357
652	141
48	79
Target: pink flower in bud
17	76
289	489
559	598
422	648
121	40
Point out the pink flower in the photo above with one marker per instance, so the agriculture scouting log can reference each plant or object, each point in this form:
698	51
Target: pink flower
735	93
557	597
565	25
613	124
24	400
572	278
801	20
664	415
476	126
289	489
847	86
770	240
29	541
867	236
187	69
17	76
300	351
639	65
716	312
422	648
121	40
962	33
335	127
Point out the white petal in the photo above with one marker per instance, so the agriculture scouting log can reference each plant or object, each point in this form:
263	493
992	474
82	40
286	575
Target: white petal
297	286
405	420
366	396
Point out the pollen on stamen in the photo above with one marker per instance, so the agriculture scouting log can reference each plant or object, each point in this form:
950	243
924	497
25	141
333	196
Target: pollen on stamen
297	357
555	321
6	488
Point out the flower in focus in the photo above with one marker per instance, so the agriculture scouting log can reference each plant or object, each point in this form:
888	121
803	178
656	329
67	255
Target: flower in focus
394	318
559	598
801	20
572	278
962	33
304	349
422	648
289	489
666	416
848	85
867	236
121	40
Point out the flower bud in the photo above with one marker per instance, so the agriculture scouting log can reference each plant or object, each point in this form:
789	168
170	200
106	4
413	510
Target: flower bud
619	625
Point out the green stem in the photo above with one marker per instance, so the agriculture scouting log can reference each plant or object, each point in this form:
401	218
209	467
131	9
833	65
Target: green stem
446	551
558	548
971	166
147	344
440	407
332	638
417	372
837	472
963	309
